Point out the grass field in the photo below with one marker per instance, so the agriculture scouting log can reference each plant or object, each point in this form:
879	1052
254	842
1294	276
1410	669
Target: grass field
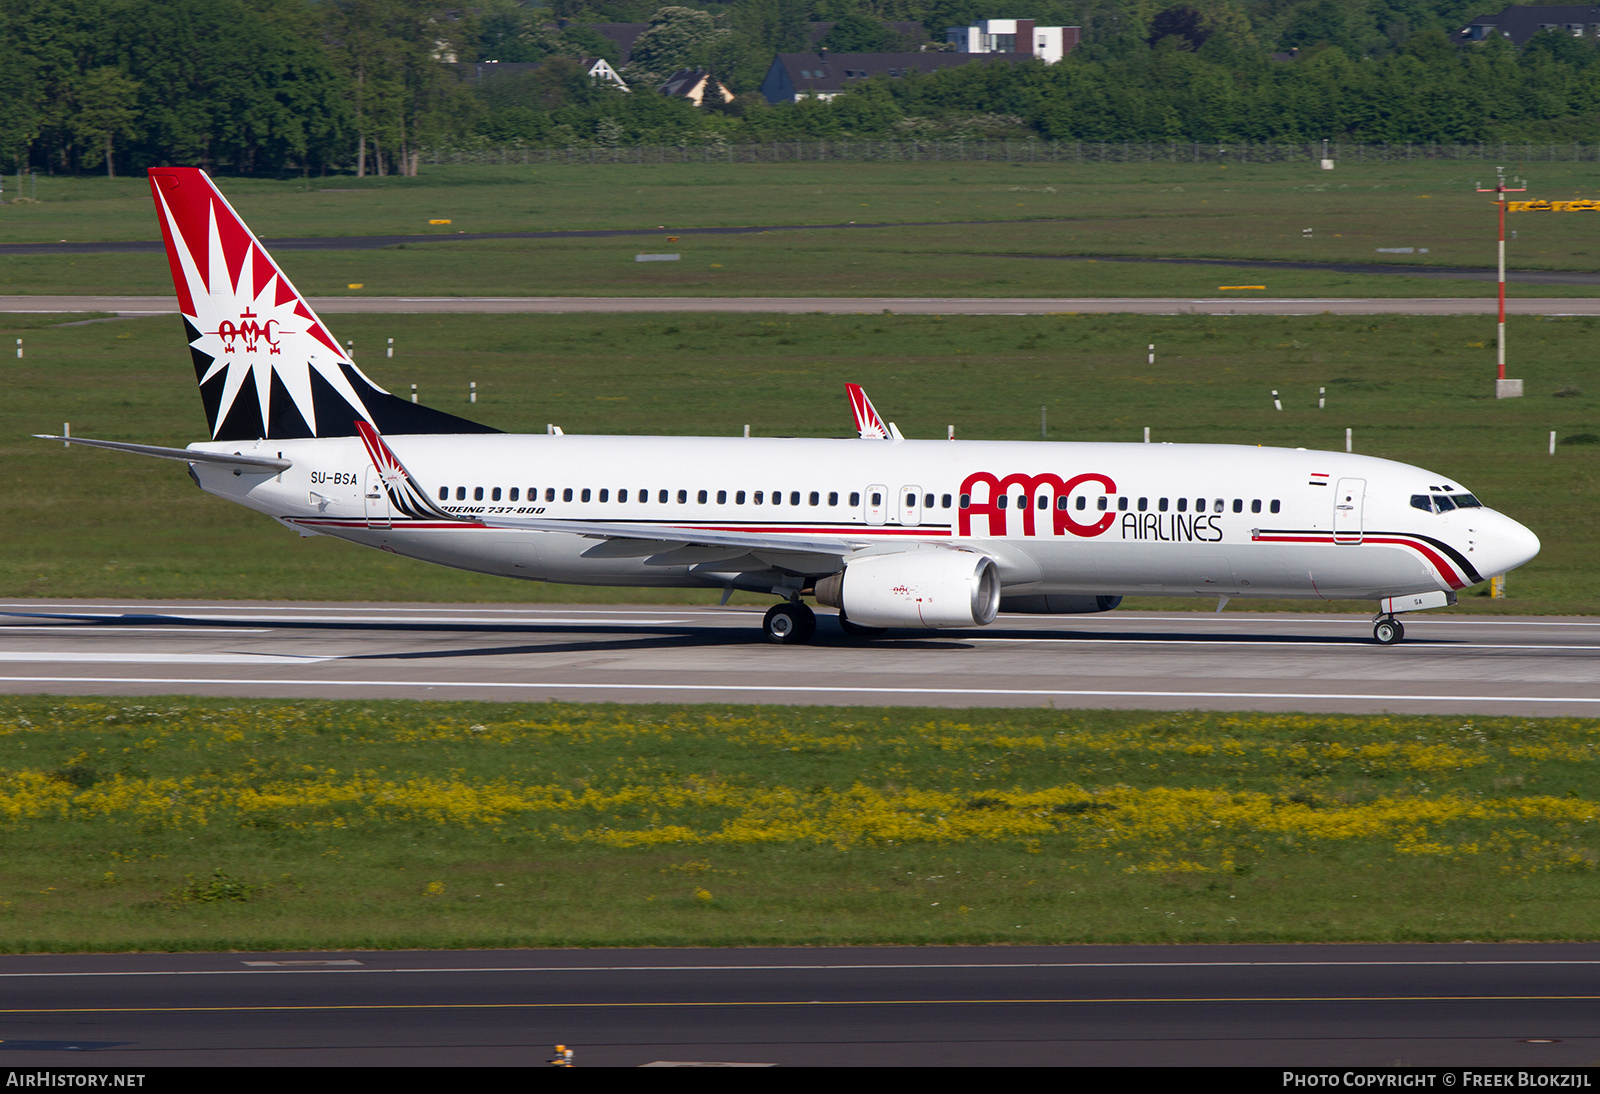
1146	210
195	824
89	523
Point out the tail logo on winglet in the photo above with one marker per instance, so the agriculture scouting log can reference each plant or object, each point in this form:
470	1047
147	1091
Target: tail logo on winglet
869	426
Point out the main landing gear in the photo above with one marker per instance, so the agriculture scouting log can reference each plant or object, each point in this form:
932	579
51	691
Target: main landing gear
789	624
1387	630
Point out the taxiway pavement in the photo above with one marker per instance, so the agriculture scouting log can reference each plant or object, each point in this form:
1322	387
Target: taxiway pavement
1408	1005
658	654
133	306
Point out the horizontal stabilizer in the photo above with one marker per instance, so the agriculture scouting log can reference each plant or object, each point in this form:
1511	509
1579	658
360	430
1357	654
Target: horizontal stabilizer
188	455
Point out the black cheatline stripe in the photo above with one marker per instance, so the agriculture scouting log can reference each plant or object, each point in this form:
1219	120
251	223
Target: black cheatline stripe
1450	552
1455	556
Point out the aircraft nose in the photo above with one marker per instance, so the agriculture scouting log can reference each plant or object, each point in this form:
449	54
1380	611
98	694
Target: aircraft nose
1507	545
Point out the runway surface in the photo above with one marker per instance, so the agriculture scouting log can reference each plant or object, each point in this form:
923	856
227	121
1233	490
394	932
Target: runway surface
843	305
1331	1006
1125	659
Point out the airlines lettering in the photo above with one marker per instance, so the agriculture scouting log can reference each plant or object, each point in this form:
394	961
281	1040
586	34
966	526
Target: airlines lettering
1172	527
1163	527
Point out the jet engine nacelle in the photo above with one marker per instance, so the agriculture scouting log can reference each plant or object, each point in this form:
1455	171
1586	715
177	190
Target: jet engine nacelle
1056	604
931	588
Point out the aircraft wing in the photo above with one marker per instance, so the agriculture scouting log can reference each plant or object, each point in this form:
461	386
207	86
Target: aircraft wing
188	455
667	544
661	533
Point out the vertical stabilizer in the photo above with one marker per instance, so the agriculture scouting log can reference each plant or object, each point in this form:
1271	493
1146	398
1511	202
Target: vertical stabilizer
266	365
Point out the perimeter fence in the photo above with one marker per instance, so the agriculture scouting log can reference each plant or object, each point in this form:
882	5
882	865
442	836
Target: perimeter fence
1014	151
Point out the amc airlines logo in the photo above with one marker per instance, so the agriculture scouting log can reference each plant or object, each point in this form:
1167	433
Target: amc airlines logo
1058	490
250	332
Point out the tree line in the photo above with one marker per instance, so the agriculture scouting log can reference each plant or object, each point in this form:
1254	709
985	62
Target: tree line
310	86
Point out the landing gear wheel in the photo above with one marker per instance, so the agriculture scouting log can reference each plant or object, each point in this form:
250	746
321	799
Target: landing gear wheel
856	630
789	624
1388	631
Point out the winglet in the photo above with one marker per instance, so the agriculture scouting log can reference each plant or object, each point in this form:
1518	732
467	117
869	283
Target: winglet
869	426
405	495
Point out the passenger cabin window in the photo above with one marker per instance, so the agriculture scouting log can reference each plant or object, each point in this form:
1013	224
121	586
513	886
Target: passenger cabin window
1162	505
662	497
605	495
1238	505
1183	504
622	495
794	497
855	499
477	493
513	493
550	494
566	494
738	497
1275	505
683	497
1122	505
1255	506
585	495
816	498
756	498
944	501
444	493
722	497
833	498
700	497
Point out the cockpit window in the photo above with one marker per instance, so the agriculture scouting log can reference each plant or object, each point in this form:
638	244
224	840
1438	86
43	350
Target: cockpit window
1444	503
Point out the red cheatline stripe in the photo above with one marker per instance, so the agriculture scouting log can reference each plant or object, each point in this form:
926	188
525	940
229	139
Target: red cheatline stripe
1452	576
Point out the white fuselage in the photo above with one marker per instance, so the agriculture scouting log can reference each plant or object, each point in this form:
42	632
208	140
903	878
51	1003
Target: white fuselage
1275	522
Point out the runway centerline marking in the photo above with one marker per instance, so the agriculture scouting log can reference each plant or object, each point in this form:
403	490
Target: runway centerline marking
174	658
687	1004
1202	643
174	629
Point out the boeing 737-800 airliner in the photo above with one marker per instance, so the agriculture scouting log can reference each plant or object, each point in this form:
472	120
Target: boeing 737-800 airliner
892	532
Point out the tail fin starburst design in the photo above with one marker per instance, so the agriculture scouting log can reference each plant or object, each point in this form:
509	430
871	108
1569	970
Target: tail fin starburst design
405	495
869	425
267	366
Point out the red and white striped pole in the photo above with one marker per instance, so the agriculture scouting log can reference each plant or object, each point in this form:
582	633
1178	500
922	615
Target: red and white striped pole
1500	189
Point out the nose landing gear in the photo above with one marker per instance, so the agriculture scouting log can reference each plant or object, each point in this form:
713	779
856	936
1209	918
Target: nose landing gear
1387	630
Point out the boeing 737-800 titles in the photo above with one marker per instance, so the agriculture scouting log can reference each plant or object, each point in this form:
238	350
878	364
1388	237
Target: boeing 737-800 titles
892	532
